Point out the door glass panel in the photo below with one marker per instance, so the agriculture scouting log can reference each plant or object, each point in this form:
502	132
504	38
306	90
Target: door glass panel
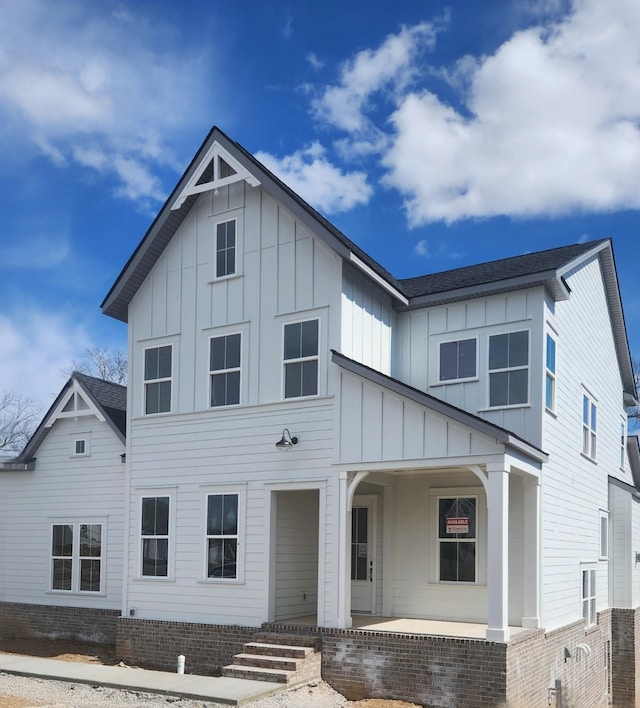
359	545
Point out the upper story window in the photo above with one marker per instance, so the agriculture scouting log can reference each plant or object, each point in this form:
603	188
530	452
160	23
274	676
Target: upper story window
76	557
154	536
550	378
589	426
457	539
226	248
509	369
301	359
157	379
604	534
623	443
457	360
224	370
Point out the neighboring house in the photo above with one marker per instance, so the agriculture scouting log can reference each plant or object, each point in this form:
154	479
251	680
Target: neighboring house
456	457
61	517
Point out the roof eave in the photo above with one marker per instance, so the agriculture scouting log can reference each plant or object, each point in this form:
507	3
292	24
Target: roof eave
550	279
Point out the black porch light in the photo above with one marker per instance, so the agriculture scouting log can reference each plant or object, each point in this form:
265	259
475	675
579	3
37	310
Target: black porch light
286	442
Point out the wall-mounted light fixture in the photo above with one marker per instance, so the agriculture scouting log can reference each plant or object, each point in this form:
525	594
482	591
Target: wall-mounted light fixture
286	442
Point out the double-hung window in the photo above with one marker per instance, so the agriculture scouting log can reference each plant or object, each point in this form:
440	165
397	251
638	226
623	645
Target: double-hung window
589	596
301	359
457	539
589	426
457	360
157	379
76	557
224	370
154	536
550	377
509	369
222	536
226	248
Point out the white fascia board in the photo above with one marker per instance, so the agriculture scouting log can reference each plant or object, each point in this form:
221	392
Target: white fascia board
369	272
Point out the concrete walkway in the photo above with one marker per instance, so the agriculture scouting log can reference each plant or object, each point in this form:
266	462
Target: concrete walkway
235	692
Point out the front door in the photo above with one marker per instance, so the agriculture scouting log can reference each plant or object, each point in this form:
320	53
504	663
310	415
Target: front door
363	524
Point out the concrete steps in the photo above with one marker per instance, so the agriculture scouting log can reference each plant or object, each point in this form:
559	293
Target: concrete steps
280	658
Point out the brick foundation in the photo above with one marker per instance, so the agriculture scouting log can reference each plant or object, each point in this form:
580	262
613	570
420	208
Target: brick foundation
157	645
19	620
439	672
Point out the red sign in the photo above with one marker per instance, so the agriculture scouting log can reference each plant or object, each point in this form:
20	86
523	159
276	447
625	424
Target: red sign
458	525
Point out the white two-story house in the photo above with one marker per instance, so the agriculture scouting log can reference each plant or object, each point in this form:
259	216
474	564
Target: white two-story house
430	475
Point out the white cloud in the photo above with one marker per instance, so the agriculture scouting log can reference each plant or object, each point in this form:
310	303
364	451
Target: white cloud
25	336
322	184
549	125
392	66
422	248
315	63
82	81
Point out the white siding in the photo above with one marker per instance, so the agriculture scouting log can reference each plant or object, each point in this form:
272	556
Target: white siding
421	332
367	322
575	489
620	547
62	488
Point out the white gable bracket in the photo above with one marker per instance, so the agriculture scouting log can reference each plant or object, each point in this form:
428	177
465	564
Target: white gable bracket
224	169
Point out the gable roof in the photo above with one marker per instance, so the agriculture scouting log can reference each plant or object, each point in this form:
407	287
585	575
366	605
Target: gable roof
542	268
109	401
179	203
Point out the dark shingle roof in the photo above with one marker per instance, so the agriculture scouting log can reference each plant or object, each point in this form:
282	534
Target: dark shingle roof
494	271
111	397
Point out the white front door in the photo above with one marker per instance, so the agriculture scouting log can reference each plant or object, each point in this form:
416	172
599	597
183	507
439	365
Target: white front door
363	525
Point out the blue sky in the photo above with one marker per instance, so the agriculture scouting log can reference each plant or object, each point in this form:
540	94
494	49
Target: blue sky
433	134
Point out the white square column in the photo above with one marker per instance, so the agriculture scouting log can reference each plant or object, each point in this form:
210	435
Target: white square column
498	553
531	552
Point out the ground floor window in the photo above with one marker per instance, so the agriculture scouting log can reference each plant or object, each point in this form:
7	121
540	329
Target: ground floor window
154	534
589	596
76	557
222	536
457	539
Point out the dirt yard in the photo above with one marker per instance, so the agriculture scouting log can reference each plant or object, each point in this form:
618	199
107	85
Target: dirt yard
71	650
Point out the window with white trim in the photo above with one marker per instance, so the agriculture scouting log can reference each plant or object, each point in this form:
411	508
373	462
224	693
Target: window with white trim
623	443
76	557
81	447
509	369
457	539
226	248
589	596
589	426
157	379
301	354
224	370
604	535
154	536
222	535
458	360
550	376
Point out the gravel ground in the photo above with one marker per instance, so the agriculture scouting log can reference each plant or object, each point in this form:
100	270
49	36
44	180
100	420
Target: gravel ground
25	692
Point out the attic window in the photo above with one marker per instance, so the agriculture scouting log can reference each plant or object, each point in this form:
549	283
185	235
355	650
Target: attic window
81	446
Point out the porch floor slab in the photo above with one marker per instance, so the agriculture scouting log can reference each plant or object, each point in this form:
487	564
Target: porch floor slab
406	625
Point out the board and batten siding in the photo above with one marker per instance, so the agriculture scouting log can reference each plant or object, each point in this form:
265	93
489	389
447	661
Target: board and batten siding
378	425
285	274
575	489
63	488
188	456
367	321
421	331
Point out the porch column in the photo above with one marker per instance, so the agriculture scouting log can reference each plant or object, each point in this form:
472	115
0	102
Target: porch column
344	555
531	550
498	553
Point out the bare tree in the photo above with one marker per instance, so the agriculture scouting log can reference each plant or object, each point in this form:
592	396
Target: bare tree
19	417
103	363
